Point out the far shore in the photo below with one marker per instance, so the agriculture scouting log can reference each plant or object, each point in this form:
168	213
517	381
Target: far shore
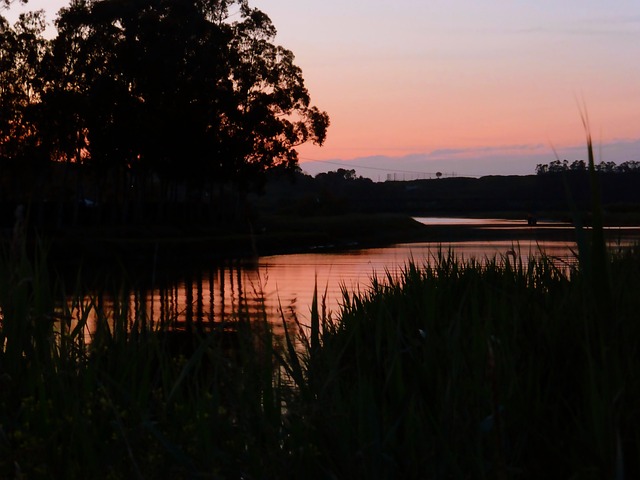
281	235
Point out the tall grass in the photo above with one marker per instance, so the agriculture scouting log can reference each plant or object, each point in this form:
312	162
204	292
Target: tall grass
482	370
134	401
456	368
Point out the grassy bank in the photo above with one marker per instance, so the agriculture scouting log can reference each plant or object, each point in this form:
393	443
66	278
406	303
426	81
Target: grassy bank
458	370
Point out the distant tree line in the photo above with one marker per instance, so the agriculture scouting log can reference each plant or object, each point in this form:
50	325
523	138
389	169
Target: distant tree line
558	166
161	101
342	191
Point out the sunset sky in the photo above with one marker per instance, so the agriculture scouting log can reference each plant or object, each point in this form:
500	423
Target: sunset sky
462	86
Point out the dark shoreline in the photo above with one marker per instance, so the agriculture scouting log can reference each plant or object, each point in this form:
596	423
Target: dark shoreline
143	245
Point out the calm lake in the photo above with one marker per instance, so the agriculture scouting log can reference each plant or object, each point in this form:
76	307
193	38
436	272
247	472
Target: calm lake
284	284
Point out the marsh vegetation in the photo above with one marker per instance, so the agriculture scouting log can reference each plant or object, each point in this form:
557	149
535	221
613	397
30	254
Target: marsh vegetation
454	369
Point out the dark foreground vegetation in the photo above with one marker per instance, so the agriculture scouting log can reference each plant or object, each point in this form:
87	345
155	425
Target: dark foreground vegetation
474	369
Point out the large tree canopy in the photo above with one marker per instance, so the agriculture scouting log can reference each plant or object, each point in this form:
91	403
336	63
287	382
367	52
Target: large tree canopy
22	52
189	89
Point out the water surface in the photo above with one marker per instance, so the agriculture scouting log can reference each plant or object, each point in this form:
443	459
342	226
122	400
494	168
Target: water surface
283	285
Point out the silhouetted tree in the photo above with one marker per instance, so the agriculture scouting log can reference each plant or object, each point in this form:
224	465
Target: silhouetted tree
629	166
578	166
193	93
607	167
338	176
542	169
22	50
192	90
7	3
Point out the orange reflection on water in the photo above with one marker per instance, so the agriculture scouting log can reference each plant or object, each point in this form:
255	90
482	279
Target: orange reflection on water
279	285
